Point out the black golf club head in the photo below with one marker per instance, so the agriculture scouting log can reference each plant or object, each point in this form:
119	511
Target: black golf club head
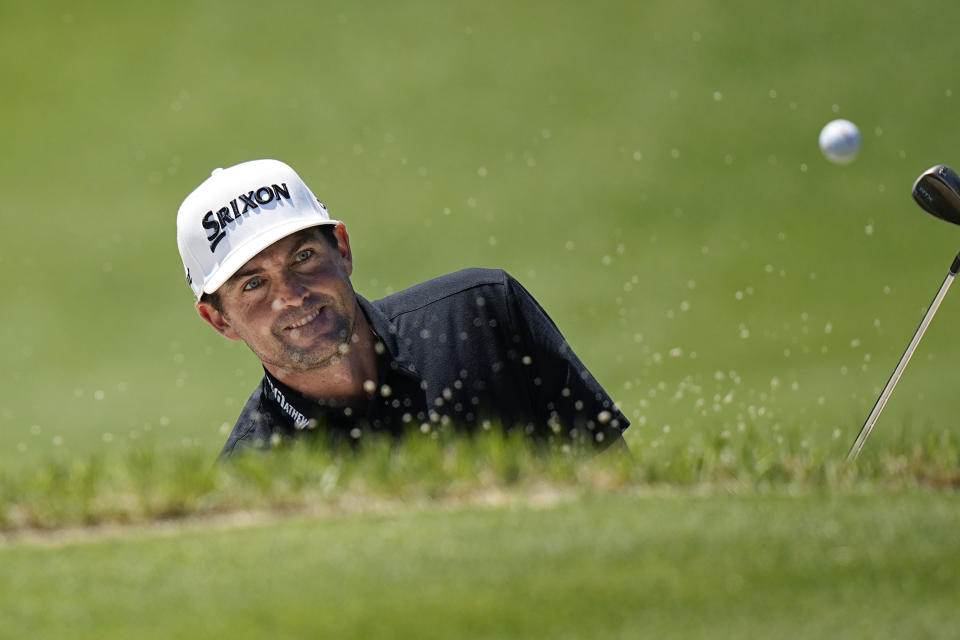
937	191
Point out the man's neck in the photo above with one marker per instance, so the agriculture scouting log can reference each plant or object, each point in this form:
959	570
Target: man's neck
341	382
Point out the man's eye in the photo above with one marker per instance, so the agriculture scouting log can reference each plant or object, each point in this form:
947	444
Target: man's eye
303	255
252	284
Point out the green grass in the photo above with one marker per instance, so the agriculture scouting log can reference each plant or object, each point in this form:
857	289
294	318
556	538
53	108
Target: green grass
149	484
652	563
738	537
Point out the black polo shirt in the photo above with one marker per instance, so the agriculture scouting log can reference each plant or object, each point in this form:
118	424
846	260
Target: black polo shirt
470	350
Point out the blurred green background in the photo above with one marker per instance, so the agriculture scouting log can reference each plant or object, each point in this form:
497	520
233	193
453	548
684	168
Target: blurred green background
650	171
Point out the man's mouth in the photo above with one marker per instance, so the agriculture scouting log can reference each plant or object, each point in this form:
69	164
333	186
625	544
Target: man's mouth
307	319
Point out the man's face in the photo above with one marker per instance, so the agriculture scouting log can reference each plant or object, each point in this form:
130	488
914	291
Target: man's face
292	303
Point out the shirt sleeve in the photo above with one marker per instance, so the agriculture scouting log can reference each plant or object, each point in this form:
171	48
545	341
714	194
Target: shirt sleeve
254	426
567	399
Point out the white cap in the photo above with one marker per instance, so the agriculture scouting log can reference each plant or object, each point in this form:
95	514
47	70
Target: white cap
237	213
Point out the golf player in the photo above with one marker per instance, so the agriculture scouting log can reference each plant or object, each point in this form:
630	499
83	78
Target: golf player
467	351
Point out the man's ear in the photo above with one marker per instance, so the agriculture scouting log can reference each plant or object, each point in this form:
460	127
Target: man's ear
217	320
343	246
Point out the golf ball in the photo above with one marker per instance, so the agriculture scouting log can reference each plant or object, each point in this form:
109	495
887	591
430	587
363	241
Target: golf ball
840	141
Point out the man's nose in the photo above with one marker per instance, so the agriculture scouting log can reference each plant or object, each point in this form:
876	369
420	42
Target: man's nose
289	292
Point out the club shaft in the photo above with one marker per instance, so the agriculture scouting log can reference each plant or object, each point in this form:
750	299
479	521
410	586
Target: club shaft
904	360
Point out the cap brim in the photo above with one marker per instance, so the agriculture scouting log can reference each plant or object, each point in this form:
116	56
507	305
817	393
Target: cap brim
242	254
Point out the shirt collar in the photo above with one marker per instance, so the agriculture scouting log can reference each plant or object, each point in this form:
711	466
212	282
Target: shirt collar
290	401
387	332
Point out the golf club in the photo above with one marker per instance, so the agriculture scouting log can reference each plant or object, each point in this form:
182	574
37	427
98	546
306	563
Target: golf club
937	191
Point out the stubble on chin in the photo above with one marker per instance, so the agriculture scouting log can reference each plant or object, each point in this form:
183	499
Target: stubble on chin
292	359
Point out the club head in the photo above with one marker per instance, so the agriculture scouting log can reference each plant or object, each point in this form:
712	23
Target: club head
937	191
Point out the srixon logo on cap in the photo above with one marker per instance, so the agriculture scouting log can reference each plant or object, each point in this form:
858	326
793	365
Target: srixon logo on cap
217	221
